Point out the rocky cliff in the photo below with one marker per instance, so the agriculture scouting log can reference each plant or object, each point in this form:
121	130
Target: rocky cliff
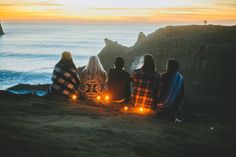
1	30
206	55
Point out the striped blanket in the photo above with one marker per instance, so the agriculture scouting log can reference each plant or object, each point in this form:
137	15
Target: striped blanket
65	80
174	90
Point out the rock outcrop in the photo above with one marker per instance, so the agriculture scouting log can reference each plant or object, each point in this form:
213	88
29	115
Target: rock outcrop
1	30
206	54
141	38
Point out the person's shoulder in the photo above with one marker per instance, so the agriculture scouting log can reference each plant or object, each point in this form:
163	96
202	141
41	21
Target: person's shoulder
126	73
80	69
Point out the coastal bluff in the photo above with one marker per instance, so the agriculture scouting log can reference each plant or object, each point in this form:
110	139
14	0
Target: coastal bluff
206	54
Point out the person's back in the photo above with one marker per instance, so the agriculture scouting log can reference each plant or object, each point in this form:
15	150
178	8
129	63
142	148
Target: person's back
171	93
146	84
93	79
65	79
119	82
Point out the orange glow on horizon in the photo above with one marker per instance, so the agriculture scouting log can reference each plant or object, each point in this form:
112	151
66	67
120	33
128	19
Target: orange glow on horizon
122	11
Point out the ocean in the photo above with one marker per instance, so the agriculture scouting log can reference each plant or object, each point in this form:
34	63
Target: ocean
28	52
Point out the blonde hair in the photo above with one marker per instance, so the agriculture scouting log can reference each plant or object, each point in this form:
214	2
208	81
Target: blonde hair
94	70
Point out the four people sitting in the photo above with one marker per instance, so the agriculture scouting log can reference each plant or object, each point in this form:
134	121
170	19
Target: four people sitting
166	92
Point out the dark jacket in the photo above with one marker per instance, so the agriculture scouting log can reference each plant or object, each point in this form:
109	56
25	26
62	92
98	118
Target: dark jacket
119	84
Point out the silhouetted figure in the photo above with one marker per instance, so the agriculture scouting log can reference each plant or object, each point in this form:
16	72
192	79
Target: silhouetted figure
119	82
65	79
171	93
93	78
146	84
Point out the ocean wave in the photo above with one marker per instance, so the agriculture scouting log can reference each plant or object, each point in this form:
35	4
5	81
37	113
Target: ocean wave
11	78
47	56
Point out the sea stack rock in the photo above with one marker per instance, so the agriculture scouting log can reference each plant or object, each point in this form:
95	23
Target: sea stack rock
1	30
141	38
111	50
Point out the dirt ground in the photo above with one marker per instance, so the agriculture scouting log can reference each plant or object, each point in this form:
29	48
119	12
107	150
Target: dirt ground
46	127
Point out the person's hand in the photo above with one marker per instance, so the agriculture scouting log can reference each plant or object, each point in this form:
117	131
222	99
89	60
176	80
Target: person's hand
160	105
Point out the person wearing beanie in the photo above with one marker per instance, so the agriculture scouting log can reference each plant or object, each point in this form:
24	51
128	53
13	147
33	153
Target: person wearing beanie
65	77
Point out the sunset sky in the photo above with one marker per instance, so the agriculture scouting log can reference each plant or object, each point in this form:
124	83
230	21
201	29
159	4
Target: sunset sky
119	11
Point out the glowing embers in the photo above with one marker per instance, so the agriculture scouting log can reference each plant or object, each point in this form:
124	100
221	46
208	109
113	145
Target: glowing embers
126	108
130	109
74	97
107	98
98	98
104	99
140	109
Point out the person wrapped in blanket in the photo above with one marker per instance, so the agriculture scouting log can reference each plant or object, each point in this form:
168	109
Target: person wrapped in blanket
65	77
145	84
171	93
93	79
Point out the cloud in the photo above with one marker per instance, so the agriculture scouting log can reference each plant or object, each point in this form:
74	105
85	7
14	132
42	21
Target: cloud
27	3
233	5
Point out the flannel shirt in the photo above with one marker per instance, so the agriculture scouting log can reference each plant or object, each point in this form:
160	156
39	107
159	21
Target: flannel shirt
146	86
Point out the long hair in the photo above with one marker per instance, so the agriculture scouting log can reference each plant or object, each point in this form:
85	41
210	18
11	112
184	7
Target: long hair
93	70
149	64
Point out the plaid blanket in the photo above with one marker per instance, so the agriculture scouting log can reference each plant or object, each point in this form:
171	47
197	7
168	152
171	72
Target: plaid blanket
65	80
146	86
